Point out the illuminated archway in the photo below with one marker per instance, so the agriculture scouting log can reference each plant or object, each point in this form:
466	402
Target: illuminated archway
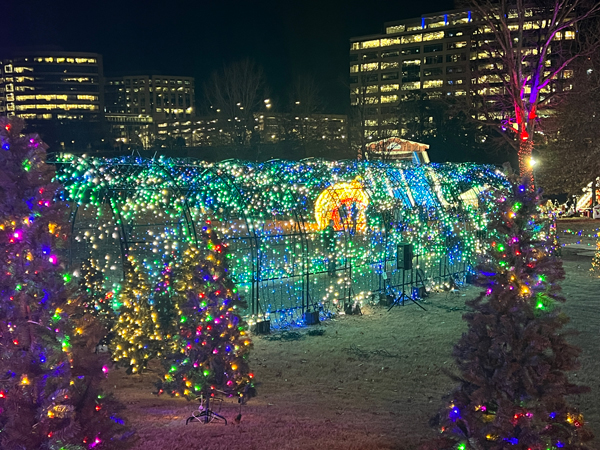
343	204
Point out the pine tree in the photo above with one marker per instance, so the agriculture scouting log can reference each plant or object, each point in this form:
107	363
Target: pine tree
137	336
513	360
43	403
212	346
95	298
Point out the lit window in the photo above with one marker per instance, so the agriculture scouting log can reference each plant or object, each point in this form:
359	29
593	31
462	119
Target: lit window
569	35
390	41
432	83
371	100
389	87
457	44
370	44
353	69
412	38
411	62
389	98
567	74
493	78
395	29
414	28
368	67
441	23
87	97
433	36
390	65
355	46
412	85
460	20
371	89
371	123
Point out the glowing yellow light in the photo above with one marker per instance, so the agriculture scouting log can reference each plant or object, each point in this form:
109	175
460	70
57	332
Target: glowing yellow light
344	204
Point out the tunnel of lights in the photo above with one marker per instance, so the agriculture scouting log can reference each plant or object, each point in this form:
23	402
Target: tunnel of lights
303	235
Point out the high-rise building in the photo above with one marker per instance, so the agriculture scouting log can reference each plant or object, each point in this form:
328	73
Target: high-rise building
427	56
430	57
58	93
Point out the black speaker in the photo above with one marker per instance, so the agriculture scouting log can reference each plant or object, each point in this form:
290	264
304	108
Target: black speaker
263	327
404	256
311	317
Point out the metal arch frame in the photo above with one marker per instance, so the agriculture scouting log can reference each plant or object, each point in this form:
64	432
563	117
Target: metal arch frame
397	178
253	238
191	228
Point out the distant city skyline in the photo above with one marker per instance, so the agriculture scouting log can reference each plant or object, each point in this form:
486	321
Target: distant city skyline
180	38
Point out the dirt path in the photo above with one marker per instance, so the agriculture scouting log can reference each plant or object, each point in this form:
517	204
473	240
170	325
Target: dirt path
368	382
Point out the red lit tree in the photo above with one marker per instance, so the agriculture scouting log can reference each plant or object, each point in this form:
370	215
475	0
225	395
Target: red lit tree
47	400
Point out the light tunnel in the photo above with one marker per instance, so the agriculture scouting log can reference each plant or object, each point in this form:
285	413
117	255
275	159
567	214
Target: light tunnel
303	235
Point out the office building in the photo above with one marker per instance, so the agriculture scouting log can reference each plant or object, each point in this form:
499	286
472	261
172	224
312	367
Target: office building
430	57
165	99
59	94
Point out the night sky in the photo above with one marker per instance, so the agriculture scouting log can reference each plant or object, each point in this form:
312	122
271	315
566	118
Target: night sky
195	37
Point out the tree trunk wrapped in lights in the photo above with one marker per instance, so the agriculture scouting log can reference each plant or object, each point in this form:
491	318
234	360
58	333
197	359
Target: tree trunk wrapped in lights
49	397
513	359
595	269
526	48
212	345
137	334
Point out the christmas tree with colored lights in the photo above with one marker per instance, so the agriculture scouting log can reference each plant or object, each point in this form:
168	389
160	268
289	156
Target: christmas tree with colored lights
45	400
137	335
514	360
211	348
95	299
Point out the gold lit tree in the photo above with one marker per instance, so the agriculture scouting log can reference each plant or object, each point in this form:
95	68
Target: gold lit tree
137	334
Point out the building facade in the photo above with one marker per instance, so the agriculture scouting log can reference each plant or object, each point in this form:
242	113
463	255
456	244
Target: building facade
269	127
138	104
427	58
59	94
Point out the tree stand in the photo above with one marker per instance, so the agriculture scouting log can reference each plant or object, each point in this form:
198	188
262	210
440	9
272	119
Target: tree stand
204	414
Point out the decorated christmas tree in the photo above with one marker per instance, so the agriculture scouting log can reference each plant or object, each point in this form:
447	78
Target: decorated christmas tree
95	298
137	335
162	299
211	348
45	400
513	359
